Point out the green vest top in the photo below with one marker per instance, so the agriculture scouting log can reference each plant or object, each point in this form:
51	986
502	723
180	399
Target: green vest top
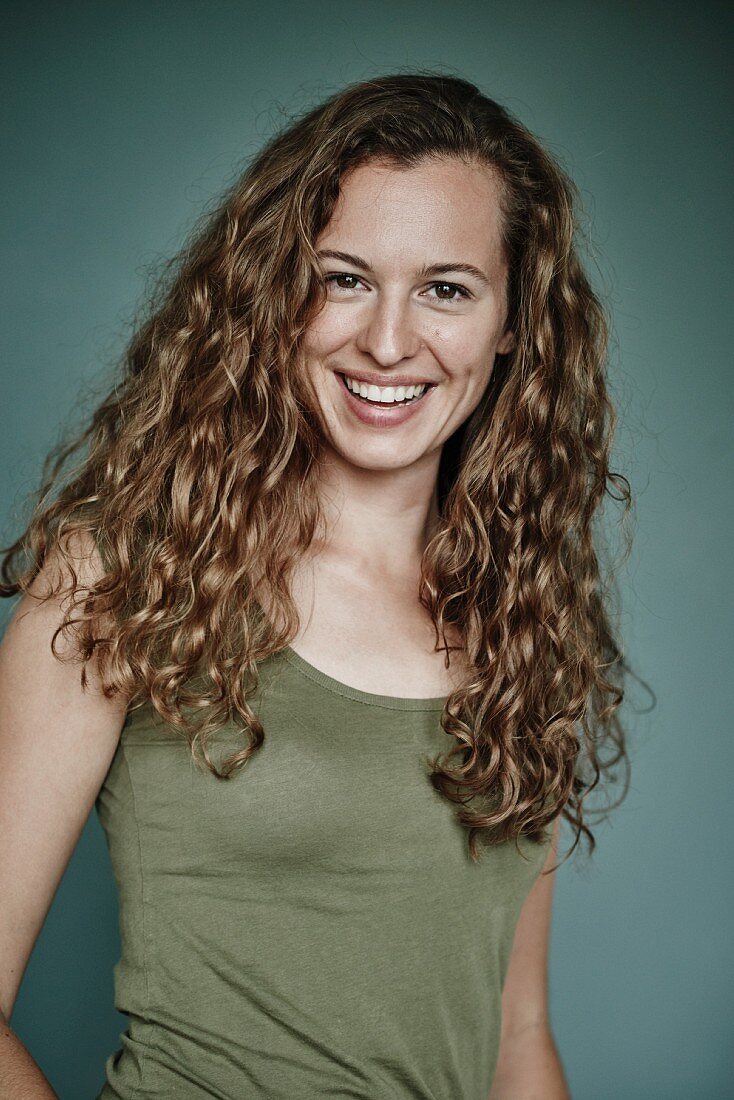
314	926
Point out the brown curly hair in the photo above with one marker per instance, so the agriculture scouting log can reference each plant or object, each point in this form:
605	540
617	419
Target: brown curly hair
199	480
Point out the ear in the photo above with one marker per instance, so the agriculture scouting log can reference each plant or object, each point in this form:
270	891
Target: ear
506	342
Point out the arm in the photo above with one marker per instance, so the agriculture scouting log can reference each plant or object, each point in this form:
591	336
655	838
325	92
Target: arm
528	1066
56	744
20	1077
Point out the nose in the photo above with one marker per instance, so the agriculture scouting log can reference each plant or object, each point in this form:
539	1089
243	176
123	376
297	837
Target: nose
388	330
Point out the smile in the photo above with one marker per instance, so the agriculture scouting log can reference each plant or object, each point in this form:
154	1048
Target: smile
383	413
385	395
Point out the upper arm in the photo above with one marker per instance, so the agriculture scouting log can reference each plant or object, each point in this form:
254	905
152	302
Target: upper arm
525	992
56	744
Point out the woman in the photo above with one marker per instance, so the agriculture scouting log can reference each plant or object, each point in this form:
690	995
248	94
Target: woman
347	647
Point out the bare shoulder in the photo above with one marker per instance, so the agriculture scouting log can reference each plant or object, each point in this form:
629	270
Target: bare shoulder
57	740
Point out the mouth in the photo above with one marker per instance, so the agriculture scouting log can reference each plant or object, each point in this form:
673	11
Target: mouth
387	404
383	415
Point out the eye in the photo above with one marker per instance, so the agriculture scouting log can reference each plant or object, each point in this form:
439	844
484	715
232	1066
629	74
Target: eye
462	291
341	275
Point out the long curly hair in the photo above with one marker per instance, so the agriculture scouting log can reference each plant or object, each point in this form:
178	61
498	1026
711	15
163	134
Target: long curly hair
198	483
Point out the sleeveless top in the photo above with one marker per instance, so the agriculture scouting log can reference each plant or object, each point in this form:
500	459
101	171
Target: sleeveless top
314	926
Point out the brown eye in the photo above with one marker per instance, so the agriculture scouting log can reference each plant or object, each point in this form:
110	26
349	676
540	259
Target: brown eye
342	275
451	287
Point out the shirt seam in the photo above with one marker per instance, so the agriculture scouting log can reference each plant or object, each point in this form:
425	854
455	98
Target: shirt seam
144	909
353	698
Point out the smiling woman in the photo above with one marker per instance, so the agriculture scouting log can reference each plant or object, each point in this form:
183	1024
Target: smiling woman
331	542
389	328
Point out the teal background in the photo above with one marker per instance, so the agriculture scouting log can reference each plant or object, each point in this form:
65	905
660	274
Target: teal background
122	122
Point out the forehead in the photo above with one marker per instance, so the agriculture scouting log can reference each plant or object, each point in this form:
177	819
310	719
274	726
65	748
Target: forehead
438	208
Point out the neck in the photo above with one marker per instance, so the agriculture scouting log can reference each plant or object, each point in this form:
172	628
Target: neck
380	521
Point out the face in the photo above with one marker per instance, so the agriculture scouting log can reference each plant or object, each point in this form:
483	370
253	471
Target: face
416	296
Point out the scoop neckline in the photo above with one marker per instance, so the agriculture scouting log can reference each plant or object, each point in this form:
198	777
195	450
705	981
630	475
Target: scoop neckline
369	698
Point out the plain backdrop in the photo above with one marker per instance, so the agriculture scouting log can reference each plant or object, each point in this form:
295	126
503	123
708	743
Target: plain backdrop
122	122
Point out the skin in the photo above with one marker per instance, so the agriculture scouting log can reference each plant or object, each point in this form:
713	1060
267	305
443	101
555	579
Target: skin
380	484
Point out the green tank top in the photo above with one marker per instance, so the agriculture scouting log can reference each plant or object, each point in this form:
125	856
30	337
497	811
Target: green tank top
313	927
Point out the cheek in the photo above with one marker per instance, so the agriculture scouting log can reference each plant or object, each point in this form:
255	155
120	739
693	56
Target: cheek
463	348
468	383
467	367
329	331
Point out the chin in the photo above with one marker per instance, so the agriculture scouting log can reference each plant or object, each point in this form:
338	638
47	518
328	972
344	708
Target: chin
378	458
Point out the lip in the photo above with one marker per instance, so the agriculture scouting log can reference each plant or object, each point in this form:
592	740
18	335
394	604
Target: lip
385	417
395	380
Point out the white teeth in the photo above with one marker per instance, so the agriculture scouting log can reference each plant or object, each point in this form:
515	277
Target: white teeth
387	395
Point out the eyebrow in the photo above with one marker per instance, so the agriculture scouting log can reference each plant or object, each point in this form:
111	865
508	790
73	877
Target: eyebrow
425	272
